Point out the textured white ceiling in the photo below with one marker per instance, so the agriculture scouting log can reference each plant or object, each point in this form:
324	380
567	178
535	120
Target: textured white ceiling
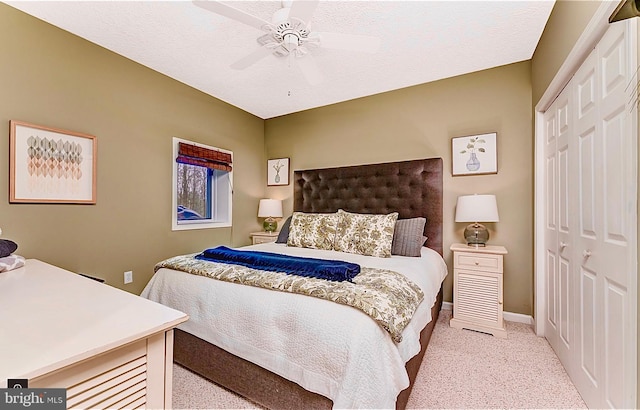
421	41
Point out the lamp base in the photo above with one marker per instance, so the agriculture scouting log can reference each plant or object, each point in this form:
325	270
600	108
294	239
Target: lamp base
476	234
270	225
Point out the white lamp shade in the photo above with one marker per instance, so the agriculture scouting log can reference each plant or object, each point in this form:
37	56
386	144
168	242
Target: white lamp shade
270	208
477	208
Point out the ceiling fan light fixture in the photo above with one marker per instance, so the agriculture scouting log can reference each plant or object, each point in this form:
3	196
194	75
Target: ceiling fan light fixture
289	35
291	41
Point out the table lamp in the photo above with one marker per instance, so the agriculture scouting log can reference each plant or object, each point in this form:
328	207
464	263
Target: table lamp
475	209
270	209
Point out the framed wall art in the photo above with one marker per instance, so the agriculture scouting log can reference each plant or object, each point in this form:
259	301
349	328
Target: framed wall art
278	171
48	165
474	155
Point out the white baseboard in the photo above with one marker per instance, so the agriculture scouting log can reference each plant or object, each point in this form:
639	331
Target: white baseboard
508	316
518	318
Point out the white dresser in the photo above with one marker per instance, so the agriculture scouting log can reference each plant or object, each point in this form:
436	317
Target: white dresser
107	347
478	288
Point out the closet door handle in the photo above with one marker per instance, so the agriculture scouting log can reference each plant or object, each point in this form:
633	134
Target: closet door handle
586	253
563	245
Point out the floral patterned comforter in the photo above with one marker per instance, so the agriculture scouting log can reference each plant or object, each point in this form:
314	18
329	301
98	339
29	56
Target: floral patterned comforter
386	296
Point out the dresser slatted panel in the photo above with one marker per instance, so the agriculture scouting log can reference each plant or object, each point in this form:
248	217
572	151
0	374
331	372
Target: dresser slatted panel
117	379
477	288
120	384
476	297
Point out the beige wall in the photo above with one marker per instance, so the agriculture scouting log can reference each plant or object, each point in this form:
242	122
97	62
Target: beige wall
419	122
52	78
566	23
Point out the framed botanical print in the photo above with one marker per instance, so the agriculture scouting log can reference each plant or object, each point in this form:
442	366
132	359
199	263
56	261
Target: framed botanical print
474	155
278	171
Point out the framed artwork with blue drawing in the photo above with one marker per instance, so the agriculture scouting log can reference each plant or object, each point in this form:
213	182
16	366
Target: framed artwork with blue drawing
278	171
474	155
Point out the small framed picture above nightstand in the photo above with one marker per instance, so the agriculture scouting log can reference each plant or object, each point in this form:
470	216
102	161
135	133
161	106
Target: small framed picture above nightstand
263	237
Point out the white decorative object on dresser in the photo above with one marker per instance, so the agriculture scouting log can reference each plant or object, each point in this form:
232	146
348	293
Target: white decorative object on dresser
107	347
477	288
263	237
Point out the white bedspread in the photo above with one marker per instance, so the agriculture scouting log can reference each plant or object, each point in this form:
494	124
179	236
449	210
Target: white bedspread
348	358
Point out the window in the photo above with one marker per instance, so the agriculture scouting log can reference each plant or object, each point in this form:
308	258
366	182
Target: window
202	186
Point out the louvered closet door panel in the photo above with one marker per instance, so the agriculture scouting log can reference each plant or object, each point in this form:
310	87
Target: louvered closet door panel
477	298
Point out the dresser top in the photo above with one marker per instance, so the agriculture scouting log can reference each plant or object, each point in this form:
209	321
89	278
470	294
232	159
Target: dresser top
52	318
462	247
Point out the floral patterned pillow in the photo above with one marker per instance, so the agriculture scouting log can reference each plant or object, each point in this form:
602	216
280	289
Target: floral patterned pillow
316	231
365	234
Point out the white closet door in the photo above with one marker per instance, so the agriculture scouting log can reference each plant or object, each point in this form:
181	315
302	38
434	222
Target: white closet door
591	218
606	178
586	369
565	222
559	307
618	266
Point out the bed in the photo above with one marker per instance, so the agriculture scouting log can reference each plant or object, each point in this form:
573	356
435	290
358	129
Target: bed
305	372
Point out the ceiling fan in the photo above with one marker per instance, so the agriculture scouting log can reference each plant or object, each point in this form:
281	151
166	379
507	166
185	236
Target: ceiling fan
289	35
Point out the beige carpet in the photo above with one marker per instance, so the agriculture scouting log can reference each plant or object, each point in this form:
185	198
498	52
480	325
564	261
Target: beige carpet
461	369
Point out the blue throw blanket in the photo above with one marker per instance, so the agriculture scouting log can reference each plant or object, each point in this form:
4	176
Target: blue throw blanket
318	268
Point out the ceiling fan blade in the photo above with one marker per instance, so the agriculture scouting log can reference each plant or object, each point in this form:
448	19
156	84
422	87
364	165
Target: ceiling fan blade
232	13
349	42
310	70
303	10
252	58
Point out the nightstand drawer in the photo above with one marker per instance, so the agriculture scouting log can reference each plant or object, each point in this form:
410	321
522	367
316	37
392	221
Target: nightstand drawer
263	239
475	261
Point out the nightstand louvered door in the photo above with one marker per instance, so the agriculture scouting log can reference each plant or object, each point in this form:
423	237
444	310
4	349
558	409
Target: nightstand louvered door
477	289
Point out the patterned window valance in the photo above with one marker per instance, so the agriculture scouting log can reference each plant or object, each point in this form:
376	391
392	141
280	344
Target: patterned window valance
203	157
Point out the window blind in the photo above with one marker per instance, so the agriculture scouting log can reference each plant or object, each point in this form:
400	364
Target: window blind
203	157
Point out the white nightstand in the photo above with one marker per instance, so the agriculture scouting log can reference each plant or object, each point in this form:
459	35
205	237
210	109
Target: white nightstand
477	288
263	237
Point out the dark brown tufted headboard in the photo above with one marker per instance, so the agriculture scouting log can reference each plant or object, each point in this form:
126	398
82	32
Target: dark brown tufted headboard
412	188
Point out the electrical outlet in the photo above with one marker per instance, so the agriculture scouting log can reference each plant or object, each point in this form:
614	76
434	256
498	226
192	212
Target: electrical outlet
128	277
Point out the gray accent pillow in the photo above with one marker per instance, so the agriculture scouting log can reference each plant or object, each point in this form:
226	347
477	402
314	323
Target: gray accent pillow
408	237
7	247
284	231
